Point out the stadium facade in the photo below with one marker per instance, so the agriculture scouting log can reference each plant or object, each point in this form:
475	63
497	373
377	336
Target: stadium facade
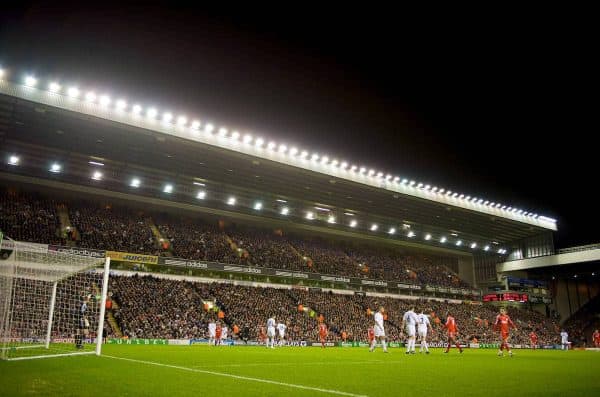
60	138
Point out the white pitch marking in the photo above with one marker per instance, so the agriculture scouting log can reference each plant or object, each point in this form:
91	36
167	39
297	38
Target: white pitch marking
272	382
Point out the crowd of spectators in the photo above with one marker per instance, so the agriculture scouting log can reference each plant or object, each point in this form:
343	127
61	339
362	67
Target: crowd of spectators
111	227
28	217
171	309
106	227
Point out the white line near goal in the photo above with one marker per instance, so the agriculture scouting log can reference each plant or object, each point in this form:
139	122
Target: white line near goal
272	382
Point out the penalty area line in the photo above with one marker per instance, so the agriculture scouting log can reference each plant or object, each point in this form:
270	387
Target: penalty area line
247	378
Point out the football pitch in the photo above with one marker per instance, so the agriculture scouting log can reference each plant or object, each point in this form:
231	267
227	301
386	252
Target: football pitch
199	370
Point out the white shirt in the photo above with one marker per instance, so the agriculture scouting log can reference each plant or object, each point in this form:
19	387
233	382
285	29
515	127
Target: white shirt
564	337
410	318
281	328
271	322
223	332
422	320
379	320
212	327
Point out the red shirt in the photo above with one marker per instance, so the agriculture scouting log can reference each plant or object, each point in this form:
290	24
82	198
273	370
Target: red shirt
218	331
533	336
596	336
503	322
450	324
371	334
322	330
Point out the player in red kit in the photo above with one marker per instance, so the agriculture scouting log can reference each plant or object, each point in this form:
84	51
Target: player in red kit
371	335
534	339
504	323
596	338
218	332
450	325
322	334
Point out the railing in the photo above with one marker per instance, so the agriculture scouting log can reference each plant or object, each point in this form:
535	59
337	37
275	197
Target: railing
579	248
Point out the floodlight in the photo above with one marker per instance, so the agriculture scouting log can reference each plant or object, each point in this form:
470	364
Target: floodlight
73	92
258	205
168	188
54	87
104	100
97	176
201	195
55	167
30	81
135	182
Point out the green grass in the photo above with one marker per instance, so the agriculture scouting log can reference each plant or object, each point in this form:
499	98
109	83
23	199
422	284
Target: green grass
350	370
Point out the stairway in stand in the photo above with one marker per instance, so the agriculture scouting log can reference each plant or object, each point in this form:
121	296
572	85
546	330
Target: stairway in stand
66	227
158	237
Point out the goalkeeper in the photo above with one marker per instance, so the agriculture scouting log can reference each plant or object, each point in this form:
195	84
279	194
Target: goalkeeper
83	325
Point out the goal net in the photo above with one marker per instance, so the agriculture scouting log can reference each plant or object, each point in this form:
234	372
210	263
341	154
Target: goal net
51	302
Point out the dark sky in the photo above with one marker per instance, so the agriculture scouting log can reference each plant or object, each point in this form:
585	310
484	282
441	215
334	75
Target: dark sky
495	107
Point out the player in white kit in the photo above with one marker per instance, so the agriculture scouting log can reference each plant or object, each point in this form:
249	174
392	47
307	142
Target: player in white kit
271	332
281	327
564	340
223	333
212	332
409	322
423	324
379	331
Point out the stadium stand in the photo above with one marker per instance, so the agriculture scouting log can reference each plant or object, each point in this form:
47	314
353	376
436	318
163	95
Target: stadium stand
174	309
29	217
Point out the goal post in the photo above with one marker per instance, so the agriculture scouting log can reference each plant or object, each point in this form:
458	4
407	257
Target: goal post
52	303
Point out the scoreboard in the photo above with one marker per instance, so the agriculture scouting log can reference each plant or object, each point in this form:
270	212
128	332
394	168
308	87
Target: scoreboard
506	297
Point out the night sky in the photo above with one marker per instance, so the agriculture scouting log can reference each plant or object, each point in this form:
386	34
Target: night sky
498	108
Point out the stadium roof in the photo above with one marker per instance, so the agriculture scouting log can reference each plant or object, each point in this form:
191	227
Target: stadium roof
115	142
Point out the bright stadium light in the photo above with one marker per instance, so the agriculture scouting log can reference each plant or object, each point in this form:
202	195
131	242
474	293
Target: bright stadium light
55	168
396	179
334	162
362	170
411	234
1	73
54	87
208	128
428	236
310	215
324	159
419	186
181	121
285	210
353	168
201	195
331	219
353	223
136	109
247	138
135	182
271	145
97	176
343	165
304	154
258	205
392	230
379	174
411	183
13	160
486	248
30	81
374	227
231	200
168	188
443	240
371	172
259	142
104	100
388	177
235	135
167	117
314	157
73	92
121	104
282	148
459	243
223	131
195	124
473	245
151	113
90	96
